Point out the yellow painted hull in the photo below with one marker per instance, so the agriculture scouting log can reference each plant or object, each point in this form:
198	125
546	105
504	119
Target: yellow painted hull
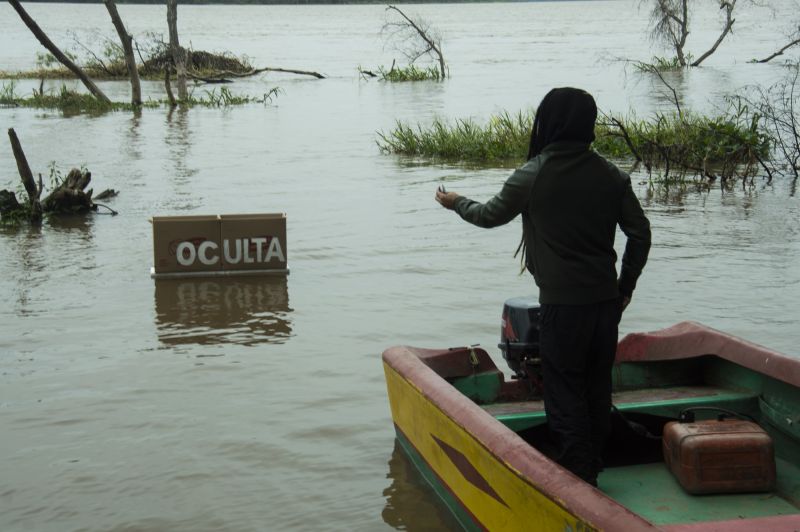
497	481
517	505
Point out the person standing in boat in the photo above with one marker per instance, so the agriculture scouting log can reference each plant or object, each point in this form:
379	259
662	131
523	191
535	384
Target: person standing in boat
571	201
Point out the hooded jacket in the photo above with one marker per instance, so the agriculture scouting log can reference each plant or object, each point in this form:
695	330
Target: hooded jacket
571	200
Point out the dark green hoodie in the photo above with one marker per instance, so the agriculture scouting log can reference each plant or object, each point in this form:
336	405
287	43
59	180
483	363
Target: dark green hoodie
571	200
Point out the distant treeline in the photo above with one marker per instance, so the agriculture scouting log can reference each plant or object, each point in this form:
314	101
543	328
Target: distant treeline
282	2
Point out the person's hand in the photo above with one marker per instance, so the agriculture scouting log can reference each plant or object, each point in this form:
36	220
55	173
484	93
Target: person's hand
446	199
626	300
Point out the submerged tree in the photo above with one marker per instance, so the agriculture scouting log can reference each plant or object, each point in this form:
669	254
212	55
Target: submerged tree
777	108
178	53
57	53
415	38
127	47
670	25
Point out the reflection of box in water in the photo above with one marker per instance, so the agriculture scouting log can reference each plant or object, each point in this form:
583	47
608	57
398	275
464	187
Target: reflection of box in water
231	244
246	310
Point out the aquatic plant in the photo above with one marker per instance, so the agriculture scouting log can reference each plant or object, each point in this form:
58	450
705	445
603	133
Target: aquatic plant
503	138
64	99
675	144
409	73
71	102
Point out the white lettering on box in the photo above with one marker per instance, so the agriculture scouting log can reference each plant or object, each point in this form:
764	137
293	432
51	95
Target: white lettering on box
207	252
182	257
202	253
246	247
275	250
259	242
227	251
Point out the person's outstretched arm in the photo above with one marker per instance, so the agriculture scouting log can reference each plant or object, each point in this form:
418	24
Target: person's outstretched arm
501	209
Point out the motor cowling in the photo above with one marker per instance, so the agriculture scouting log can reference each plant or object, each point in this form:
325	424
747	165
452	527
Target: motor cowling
519	338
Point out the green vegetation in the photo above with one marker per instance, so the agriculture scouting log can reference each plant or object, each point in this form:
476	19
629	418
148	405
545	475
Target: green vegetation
73	102
503	139
723	146
409	73
67	100
110	63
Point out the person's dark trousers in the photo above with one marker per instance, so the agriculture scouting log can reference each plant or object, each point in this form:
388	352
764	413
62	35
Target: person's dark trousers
578	344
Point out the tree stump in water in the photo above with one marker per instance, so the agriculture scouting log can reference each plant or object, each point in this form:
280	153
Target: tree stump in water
8	202
70	196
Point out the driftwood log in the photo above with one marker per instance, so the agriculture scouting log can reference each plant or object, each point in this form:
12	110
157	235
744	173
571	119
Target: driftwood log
222	76
71	196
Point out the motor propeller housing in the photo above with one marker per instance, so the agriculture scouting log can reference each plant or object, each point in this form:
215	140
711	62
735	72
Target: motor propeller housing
519	338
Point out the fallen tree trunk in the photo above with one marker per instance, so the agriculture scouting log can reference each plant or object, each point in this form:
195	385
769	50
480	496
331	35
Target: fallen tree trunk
779	52
57	53
219	77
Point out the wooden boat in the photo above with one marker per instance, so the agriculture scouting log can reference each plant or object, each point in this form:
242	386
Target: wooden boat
474	435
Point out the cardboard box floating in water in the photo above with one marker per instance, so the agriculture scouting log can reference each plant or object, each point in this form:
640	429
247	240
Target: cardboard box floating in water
228	244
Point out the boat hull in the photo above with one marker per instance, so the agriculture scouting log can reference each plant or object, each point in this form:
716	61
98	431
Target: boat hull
489	477
470	436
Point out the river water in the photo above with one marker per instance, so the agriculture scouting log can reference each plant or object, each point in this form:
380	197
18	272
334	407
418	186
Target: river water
127	404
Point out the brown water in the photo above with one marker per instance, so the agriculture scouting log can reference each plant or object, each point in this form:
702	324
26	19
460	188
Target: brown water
260	404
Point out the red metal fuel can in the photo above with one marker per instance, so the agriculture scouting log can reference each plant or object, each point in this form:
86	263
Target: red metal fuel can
720	456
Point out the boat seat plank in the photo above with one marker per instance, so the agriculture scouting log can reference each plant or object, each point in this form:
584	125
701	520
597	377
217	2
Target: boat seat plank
628	399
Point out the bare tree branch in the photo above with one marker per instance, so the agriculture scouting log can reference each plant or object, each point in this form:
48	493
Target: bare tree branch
779	52
729	20
416	38
57	53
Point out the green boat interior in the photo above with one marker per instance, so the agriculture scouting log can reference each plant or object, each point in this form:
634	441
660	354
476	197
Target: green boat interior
647	395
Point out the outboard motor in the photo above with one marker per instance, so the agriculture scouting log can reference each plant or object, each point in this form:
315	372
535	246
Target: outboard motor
519	339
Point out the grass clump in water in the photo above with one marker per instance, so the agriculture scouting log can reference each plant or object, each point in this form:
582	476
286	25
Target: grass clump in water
503	138
409	73
64	99
684	144
72	102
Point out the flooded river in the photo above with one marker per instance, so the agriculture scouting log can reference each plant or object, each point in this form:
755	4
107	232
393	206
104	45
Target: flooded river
251	405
